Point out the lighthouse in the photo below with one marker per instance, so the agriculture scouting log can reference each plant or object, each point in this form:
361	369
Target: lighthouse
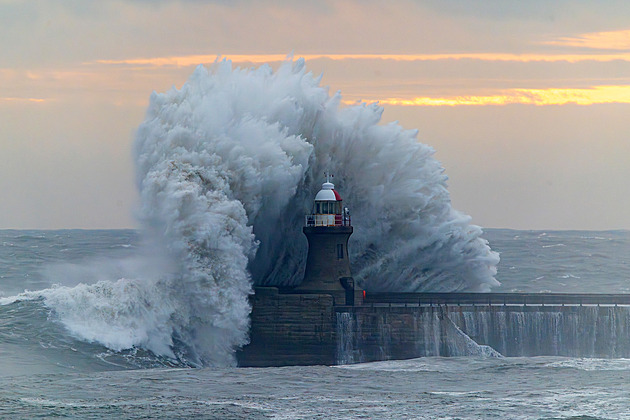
327	230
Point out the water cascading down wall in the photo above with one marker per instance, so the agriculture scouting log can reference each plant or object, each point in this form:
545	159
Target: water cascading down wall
371	333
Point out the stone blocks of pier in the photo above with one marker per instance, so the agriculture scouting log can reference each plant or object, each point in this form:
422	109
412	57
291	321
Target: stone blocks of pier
290	329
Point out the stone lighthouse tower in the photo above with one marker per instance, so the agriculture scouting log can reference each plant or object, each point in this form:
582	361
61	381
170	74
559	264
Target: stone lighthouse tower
328	229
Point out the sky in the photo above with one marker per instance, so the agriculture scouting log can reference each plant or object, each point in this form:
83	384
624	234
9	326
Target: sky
526	103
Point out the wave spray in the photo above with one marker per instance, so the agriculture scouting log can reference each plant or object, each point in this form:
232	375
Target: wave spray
227	166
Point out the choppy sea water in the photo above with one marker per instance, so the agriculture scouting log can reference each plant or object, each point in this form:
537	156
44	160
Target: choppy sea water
431	388
562	261
45	371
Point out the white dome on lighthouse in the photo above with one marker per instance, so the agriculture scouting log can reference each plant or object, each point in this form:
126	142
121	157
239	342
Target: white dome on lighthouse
328	209
328	193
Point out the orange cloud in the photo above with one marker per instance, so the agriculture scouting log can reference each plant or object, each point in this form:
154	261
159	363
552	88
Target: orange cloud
613	40
590	96
13	99
192	60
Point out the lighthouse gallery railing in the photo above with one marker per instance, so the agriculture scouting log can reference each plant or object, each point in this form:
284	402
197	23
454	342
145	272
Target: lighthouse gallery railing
327	220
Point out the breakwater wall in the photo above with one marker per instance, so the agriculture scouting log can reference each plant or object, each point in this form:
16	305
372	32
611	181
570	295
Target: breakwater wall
290	329
305	329
397	332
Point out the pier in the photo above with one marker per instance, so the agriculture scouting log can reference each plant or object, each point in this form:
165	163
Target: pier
297	328
521	299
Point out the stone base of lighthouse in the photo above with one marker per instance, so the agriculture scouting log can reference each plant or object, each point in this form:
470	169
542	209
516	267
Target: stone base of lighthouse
327	263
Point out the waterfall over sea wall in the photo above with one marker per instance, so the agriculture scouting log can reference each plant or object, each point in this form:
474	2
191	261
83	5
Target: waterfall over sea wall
398	332
579	331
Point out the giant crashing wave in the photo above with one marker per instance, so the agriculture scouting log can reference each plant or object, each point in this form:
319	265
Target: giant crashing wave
229	164
227	167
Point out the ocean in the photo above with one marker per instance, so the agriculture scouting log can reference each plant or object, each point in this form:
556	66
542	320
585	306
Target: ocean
50	366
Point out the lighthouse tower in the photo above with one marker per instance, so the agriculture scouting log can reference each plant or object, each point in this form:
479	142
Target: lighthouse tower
328	229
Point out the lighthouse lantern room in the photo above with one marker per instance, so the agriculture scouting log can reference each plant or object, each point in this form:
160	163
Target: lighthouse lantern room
328	208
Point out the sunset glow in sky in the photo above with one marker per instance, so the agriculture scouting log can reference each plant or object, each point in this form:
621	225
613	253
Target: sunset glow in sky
525	103
590	96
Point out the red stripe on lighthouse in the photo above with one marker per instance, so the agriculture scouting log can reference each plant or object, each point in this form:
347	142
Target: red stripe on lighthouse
337	196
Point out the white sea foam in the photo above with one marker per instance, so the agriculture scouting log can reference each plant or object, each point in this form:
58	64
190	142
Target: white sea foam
226	167
592	364
12	299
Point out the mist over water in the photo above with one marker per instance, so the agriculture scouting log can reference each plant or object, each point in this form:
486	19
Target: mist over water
227	166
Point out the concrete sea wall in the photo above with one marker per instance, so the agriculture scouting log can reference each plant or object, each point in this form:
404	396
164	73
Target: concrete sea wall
382	333
308	329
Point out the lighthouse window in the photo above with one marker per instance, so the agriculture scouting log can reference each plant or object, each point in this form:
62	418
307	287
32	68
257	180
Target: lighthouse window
325	207
340	251
318	209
